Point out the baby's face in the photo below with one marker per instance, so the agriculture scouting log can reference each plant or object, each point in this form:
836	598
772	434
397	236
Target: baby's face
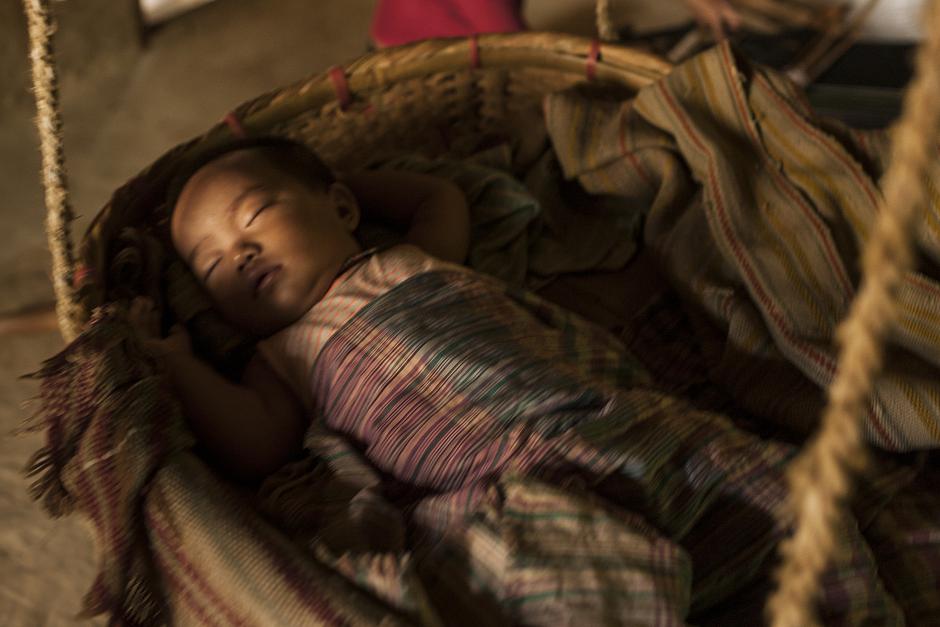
265	246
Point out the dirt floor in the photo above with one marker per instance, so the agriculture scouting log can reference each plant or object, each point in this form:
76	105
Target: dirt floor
120	112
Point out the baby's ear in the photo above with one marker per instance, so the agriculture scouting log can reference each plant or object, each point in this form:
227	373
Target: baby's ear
347	207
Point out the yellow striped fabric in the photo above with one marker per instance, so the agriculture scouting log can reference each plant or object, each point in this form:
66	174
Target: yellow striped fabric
759	210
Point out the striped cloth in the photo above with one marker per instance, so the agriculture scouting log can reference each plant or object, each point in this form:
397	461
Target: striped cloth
544	477
292	351
758	210
177	545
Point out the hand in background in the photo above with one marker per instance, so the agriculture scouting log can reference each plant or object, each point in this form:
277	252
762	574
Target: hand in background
718	15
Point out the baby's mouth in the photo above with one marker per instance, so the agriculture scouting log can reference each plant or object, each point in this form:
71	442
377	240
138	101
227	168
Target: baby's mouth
264	278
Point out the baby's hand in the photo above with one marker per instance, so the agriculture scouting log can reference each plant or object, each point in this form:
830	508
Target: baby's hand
145	319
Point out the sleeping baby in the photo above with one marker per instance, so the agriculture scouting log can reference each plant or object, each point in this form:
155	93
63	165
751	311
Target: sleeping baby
269	233
444	378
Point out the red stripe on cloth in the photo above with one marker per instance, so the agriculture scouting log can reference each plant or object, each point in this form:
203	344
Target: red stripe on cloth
864	183
779	181
743	260
187	597
340	86
766	302
862	141
922	283
167	539
630	155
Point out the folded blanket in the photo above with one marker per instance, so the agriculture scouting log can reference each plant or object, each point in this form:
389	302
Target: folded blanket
758	210
451	385
117	451
110	422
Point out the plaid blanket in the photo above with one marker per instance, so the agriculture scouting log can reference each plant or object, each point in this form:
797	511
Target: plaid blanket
683	525
758	210
621	504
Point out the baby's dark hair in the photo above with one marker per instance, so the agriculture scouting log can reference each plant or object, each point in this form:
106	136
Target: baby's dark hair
287	155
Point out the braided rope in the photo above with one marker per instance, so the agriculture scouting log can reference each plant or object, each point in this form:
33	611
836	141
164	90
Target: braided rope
605	27
820	479
59	213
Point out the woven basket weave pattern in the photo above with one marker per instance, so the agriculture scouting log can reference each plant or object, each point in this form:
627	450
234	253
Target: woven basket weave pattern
431	97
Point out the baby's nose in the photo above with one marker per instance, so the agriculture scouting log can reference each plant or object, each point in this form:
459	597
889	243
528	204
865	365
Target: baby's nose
243	258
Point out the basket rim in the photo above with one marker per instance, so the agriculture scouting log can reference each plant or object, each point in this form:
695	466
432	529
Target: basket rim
595	61
570	54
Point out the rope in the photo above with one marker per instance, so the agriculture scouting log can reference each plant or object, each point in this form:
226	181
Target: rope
59	213
605	27
820	479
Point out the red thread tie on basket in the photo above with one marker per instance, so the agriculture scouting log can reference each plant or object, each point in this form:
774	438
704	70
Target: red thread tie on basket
234	124
81	276
594	53
474	52
340	86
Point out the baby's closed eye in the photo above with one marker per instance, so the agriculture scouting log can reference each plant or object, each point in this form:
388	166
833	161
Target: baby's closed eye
209	270
258	211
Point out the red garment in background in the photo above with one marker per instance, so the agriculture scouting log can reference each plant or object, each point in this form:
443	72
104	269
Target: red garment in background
401	21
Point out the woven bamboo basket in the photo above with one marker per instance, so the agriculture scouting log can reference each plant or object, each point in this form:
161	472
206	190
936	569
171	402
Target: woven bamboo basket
452	95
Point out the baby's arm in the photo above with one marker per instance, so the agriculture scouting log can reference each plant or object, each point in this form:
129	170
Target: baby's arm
432	210
250	428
